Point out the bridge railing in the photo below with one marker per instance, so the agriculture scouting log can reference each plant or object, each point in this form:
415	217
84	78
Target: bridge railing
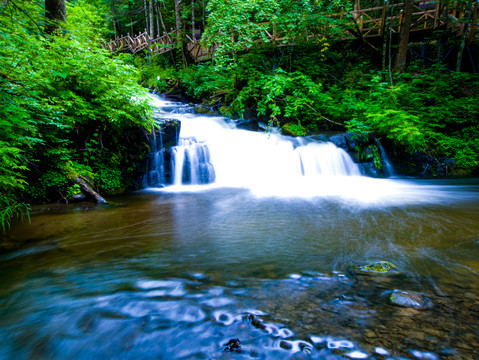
142	41
371	22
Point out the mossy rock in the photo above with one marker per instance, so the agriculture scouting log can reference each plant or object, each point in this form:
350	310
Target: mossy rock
201	109
292	129
379	267
226	111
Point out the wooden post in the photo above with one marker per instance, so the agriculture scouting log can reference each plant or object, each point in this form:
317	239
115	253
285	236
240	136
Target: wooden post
437	14
383	19
475	19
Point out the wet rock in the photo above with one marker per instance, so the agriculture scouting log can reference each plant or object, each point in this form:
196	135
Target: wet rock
169	131
233	345
247	125
253	319
409	299
201	109
318	137
365	150
205	110
354	144
368	169
421	164
379	267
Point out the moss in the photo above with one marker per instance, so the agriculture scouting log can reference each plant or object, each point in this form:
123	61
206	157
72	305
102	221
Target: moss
380	267
201	110
226	111
292	129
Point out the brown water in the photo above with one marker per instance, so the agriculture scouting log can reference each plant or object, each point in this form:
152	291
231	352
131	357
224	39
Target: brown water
175	275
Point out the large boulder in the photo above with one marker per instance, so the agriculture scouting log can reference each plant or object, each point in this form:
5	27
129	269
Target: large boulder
169	133
247	125
365	150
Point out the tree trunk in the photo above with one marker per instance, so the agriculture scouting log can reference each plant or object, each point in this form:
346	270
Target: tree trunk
462	43
384	33
193	19
115	20
145	8
152	23
88	191
132	29
181	34
55	12
390	51
155	5
178	10
158	12
400	64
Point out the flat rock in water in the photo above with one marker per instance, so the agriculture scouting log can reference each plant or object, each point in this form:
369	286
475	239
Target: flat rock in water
409	299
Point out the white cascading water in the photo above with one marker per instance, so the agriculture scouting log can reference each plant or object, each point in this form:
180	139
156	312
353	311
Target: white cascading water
242	158
213	153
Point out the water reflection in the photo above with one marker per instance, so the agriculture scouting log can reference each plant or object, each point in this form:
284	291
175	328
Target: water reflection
177	275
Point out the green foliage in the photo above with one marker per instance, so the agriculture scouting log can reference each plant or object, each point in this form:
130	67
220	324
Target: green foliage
281	95
203	80
373	152
109	179
66	103
237	25
427	109
154	72
293	129
10	208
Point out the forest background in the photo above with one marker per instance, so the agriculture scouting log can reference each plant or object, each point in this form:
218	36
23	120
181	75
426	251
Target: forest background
74	115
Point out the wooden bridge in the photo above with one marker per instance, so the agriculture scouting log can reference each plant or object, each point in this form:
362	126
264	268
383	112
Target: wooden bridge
365	23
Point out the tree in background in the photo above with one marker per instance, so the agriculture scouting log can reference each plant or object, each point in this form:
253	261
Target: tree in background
400	64
55	12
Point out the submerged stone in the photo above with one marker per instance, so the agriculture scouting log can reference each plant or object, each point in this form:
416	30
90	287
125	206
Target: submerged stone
233	345
409	299
379	267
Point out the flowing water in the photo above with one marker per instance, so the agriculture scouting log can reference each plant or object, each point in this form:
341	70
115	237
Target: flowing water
256	237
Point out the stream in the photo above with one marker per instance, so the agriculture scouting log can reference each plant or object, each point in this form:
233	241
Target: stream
260	241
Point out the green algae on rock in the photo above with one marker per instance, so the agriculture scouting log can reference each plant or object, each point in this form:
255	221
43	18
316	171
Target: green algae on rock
379	267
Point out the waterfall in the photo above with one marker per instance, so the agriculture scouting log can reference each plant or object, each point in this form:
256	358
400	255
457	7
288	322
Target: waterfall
211	150
156	169
389	170
191	163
